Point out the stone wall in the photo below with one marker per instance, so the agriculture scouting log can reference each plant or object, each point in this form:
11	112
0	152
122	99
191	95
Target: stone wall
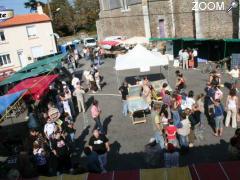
213	24
216	24
116	22
183	18
160	10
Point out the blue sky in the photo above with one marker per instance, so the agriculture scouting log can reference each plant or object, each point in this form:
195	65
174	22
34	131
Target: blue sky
17	5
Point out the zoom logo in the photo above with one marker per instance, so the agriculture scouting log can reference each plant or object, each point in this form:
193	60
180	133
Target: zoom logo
200	5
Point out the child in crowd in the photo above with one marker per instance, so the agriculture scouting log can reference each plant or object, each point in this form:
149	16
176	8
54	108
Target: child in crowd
171	131
218	117
68	127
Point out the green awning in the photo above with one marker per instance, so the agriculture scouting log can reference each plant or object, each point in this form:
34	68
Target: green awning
182	39
193	39
231	40
35	69
43	62
163	39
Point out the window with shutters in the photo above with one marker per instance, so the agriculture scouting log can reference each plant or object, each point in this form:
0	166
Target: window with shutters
5	59
31	31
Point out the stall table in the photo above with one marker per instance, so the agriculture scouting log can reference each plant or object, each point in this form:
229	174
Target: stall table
137	105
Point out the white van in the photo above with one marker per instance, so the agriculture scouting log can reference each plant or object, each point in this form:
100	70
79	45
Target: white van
89	42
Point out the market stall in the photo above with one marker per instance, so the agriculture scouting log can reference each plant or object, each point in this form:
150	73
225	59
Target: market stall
138	58
9	99
36	87
35	69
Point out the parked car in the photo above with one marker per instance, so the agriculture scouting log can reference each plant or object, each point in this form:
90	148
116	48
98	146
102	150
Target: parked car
89	42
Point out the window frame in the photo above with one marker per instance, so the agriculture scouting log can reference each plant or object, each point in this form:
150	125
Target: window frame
35	30
5	59
1	31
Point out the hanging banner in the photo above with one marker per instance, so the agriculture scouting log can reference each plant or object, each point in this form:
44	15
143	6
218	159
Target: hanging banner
5	14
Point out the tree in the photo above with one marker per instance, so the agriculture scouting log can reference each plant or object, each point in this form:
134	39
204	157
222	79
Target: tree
32	5
63	20
86	13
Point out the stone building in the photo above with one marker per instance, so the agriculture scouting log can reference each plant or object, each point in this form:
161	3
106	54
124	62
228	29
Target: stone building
166	18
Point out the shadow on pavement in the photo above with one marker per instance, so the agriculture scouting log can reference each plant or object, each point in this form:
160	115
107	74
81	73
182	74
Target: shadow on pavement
80	141
138	160
151	77
89	102
228	85
106	122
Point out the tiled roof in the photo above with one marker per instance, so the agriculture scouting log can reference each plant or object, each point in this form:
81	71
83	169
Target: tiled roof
25	19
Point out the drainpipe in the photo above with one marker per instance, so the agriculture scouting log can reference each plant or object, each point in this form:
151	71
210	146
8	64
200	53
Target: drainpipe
49	10
238	9
198	23
173	18
146	20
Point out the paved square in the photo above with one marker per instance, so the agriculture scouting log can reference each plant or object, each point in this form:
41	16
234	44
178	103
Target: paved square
128	140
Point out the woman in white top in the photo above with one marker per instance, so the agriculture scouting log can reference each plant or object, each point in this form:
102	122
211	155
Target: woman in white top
66	105
190	100
232	106
98	80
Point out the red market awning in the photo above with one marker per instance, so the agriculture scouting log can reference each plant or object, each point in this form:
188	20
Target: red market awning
37	86
110	43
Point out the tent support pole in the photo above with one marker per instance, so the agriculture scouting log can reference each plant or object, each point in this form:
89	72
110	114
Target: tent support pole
117	79
167	72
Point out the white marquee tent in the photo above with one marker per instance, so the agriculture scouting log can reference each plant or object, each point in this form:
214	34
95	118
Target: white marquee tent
140	57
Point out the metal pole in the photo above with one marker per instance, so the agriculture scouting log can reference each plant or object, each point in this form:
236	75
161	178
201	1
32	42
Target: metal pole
49	9
117	79
225	48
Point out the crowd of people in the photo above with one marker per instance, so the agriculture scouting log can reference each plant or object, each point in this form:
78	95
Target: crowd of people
51	144
188	58
94	54
176	116
179	115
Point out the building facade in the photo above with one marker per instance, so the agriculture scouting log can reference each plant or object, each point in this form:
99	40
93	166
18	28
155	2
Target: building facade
166	18
24	38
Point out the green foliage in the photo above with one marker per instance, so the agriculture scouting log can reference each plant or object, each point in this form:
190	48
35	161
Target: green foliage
63	20
86	13
32	4
70	20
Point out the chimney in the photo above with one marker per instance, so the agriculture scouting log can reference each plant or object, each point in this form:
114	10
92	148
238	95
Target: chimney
39	9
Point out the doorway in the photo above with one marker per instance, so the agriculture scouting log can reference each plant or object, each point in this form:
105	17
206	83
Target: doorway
161	28
22	58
